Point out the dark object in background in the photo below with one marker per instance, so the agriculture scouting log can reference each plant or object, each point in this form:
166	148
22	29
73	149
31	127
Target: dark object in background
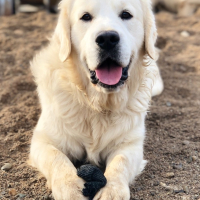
94	178
9	7
31	2
51	5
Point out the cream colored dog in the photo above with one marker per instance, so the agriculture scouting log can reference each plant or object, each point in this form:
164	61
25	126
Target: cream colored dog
95	82
183	8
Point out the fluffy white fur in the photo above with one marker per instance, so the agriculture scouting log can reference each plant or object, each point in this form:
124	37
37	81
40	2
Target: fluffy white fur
82	121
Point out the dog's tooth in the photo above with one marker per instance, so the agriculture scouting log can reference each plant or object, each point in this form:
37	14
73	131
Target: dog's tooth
92	73
93	77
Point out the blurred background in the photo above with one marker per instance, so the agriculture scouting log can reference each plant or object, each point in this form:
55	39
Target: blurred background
173	124
9	7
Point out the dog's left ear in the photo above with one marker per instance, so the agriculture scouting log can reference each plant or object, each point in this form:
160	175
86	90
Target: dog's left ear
62	34
149	29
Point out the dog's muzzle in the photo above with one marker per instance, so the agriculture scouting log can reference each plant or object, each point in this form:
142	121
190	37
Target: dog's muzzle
109	73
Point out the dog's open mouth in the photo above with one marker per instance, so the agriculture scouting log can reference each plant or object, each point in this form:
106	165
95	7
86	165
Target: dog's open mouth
109	74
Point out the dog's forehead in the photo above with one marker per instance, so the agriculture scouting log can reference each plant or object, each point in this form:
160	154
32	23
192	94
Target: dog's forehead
96	6
113	3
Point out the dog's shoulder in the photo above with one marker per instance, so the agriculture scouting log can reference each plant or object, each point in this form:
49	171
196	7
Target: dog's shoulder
45	61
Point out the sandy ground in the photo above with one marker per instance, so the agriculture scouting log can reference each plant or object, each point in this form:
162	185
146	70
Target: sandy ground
173	125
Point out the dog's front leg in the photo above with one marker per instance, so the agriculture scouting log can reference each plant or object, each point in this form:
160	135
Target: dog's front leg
122	167
57	168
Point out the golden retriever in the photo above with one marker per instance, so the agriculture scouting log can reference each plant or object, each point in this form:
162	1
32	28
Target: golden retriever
95	81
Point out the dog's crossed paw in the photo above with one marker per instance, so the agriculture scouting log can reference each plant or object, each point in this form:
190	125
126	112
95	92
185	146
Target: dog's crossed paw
113	191
68	188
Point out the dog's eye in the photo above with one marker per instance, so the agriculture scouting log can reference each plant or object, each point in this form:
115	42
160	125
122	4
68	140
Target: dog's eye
125	15
86	17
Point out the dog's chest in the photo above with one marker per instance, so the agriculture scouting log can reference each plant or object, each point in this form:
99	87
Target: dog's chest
91	134
95	135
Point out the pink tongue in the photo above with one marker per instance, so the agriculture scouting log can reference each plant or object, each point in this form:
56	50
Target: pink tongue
109	74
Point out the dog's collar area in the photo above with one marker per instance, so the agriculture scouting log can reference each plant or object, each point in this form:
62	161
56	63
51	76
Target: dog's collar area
96	81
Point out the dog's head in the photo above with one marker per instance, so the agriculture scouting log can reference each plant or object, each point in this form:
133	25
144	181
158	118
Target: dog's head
107	37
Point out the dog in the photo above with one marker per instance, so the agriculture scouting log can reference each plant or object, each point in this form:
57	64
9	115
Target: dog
95	81
183	8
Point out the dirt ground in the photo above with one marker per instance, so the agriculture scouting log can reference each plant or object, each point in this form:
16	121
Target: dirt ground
172	145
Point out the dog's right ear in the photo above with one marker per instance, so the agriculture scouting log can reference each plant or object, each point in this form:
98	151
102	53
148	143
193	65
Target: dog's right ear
149	28
62	34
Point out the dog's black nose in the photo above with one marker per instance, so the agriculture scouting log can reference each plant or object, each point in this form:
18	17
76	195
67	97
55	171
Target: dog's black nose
108	40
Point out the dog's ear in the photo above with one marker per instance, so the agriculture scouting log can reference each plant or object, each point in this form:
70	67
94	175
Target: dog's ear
62	34
149	29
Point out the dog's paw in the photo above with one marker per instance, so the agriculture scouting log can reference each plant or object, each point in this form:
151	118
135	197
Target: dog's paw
68	187
113	191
